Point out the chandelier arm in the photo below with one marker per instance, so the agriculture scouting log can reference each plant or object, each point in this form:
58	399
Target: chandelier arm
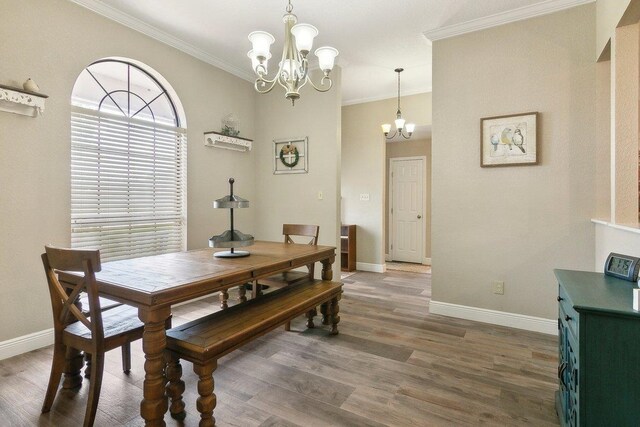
319	89
403	135
393	135
265	82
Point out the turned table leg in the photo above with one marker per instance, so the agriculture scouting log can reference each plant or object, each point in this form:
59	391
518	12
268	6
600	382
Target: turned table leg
324	309
207	400
224	297
310	314
327	273
175	387
242	293
74	358
154	340
335	318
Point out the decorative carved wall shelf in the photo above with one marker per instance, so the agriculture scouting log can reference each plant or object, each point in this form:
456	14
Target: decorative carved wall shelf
235	143
20	101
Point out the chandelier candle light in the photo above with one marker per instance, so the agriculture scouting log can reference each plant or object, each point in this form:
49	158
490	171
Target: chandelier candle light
400	126
293	69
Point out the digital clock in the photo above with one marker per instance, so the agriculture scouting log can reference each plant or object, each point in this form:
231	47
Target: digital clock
622	266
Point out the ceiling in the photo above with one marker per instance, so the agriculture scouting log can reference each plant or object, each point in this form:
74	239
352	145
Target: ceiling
373	36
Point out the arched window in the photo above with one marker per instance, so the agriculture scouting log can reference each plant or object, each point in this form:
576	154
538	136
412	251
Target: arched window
128	162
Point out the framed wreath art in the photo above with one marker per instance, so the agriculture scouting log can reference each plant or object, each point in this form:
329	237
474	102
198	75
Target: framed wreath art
290	155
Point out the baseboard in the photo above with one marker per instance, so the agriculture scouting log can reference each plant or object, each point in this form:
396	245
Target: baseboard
513	320
25	343
426	261
374	268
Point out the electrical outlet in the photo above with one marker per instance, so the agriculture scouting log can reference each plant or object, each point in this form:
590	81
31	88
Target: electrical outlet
498	287
364	197
320	195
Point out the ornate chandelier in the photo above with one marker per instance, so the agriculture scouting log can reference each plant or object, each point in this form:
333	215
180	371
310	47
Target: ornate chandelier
293	69
400	126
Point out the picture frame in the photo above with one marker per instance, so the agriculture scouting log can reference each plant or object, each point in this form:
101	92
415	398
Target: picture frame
510	140
290	155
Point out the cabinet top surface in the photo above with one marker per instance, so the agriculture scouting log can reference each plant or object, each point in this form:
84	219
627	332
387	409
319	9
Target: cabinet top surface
590	291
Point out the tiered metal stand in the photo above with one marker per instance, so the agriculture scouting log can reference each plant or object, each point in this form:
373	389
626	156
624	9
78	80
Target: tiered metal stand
231	238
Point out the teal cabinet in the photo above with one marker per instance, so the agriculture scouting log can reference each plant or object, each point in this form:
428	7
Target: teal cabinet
599	351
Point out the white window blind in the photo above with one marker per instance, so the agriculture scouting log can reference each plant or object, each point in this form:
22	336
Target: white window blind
128	182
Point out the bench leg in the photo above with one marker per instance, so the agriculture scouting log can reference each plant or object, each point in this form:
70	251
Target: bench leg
224	297
335	318
324	309
310	314
287	326
207	400
175	387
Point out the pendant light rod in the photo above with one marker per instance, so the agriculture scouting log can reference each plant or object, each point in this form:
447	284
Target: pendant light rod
399	122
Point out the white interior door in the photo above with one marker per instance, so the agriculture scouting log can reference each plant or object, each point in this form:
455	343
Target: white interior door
407	204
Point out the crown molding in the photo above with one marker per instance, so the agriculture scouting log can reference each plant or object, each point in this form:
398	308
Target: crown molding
383	97
114	14
519	14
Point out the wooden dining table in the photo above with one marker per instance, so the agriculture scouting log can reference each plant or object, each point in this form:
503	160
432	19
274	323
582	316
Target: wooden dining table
154	283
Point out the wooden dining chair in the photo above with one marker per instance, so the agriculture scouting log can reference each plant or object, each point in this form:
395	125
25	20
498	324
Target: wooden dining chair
302	233
96	333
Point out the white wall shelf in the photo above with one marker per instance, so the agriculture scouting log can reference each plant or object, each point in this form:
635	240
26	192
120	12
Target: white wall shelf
216	139
20	101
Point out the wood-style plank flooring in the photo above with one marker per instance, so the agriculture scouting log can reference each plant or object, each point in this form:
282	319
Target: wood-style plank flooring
393	364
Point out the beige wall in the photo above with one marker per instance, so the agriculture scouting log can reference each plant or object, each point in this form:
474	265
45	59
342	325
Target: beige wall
627	94
363	167
410	148
514	224
603	138
52	41
293	198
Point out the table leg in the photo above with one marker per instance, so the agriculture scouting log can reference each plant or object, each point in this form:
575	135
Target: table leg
335	318
74	358
224	297
73	369
324	309
154	403
242	293
327	273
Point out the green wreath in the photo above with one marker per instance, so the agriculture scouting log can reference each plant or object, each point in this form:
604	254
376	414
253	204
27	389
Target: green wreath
289	149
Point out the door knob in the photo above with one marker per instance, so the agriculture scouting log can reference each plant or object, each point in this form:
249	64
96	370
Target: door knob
419	216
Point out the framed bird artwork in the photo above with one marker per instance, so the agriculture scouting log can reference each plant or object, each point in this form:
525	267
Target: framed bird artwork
510	140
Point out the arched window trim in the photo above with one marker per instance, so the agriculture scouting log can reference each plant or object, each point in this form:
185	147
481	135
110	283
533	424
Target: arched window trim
124	199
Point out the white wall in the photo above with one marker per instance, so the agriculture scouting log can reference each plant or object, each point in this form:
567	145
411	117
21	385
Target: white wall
293	198
52	41
514	224
608	15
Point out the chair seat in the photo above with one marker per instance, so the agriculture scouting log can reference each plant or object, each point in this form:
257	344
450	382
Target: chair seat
116	322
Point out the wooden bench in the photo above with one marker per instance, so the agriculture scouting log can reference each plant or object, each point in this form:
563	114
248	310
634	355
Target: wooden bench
205	340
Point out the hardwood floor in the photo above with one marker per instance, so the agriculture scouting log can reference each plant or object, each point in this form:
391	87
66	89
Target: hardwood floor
393	364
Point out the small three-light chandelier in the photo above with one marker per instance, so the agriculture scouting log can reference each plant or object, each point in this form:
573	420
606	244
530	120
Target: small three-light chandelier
293	70
400	126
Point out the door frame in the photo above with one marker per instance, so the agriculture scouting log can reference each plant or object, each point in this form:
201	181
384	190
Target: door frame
424	203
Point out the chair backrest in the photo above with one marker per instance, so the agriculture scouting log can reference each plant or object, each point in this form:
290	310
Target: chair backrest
64	298
301	230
